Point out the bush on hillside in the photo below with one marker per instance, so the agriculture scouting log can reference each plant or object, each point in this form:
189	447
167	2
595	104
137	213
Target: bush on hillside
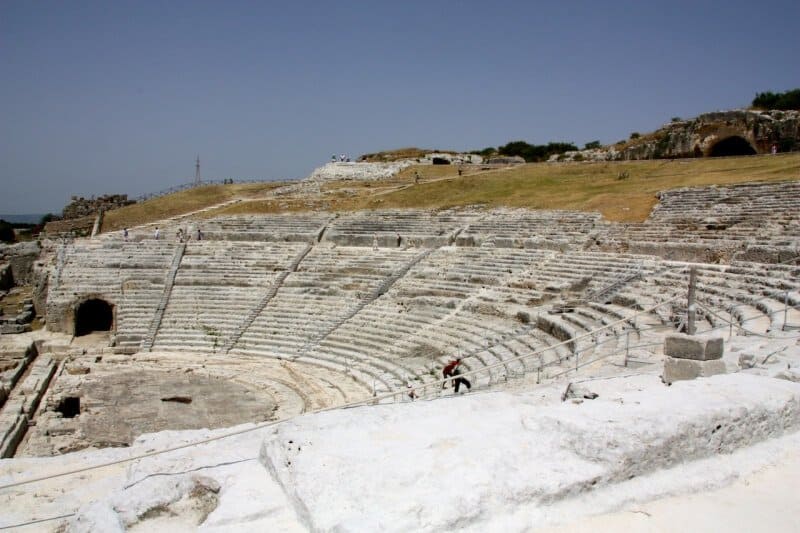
6	232
486	152
534	153
591	145
782	101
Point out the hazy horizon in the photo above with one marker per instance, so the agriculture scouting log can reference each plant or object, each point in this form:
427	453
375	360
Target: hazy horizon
121	97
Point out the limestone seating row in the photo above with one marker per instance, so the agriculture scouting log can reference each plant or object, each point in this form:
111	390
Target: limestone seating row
266	227
378	329
100	267
21	404
755	303
216	288
203	317
393	228
518	228
746	194
327	284
135	311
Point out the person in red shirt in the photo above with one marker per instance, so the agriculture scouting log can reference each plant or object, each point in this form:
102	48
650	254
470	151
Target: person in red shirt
449	370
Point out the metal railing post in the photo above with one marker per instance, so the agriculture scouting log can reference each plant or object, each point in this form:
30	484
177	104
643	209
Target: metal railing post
785	309
627	346
730	322
691	311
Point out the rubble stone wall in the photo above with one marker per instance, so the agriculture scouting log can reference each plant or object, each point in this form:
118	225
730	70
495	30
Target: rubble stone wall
81	207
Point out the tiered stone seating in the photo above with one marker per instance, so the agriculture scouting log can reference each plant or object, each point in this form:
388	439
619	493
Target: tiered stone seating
23	399
556	230
457	282
751	295
456	301
728	205
301	227
716	224
394	228
125	274
329	286
217	284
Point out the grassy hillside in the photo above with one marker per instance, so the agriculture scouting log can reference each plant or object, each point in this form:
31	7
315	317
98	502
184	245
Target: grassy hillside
600	187
181	202
621	191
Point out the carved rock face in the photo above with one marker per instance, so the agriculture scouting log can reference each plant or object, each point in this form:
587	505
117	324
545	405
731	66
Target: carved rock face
724	133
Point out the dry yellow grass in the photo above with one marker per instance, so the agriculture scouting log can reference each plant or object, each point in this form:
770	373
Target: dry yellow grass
181	202
578	186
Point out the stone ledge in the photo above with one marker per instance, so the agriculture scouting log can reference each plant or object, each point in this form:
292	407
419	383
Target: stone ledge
676	369
691	347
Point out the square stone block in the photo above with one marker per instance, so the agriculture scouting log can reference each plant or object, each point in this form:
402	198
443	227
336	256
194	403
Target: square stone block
683	346
693	347
677	369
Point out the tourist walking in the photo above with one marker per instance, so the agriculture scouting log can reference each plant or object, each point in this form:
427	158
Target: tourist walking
125	234
156	234
448	369
460	380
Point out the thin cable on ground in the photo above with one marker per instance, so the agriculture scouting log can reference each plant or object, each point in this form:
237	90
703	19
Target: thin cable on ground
196	469
37	521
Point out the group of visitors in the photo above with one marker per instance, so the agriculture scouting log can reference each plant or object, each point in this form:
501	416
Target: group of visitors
343	158
182	235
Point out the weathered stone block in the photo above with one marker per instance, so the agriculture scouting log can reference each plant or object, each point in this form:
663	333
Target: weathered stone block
714	348
677	369
11	329
683	346
692	347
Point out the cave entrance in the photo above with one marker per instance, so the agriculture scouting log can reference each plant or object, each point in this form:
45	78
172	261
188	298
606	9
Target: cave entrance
69	407
732	146
93	315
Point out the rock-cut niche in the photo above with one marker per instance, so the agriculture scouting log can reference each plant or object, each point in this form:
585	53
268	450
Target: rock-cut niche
93	315
730	146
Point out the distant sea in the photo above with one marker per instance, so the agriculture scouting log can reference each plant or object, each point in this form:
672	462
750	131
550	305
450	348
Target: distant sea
22	219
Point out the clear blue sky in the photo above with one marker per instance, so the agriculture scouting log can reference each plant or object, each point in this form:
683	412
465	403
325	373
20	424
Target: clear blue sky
107	97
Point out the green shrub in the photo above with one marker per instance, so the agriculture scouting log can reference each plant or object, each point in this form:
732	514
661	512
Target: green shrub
6	232
635	135
591	145
535	152
782	101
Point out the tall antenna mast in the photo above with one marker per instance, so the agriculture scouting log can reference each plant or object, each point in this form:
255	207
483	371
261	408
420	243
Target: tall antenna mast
197	171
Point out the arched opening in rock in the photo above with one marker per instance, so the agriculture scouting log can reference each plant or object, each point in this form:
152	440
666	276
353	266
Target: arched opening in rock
93	315
731	146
